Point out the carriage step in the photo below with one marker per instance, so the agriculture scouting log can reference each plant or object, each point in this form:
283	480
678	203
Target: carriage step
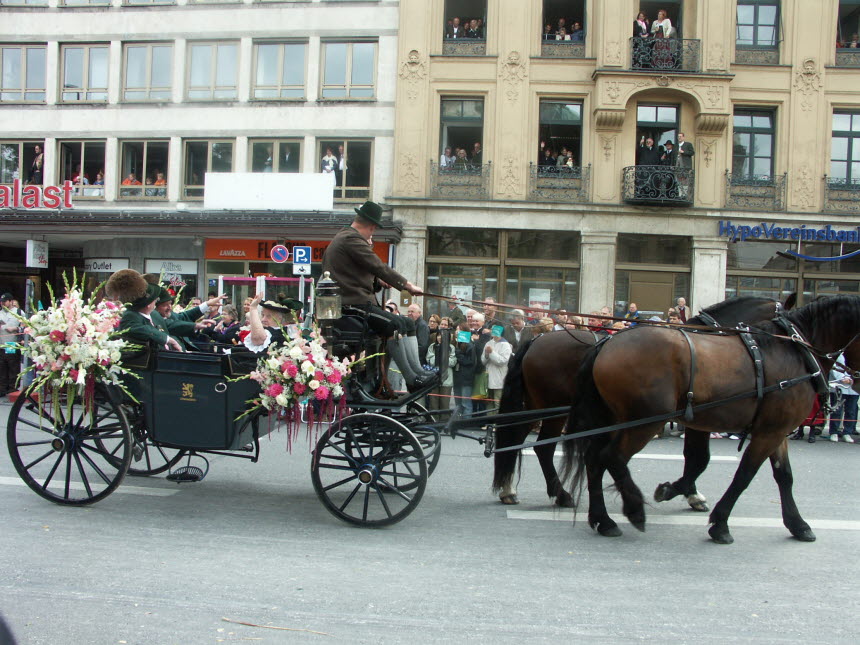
188	473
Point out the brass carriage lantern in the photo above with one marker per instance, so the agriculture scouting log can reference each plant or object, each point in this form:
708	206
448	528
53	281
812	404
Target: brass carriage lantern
327	300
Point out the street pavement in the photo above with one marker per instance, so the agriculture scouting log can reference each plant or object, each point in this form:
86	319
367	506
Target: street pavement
159	563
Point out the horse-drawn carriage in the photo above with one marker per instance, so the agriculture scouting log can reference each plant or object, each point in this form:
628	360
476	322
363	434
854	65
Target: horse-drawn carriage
369	467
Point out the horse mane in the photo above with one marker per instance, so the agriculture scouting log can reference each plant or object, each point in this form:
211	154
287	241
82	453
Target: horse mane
812	319
737	301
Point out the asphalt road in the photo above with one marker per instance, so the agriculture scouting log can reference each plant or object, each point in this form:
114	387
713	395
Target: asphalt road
158	563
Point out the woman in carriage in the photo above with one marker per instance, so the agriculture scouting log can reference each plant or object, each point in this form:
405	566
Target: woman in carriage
274	324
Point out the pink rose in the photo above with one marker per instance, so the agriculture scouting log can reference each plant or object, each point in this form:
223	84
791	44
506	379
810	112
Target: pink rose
335	377
321	393
57	336
274	389
299	388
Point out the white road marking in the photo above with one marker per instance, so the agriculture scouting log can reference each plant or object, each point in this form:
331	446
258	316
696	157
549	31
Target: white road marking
654	455
131	490
689	520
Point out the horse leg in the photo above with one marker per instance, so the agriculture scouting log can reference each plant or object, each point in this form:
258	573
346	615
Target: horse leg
545	454
616	457
697	454
505	463
761	447
598	517
784	479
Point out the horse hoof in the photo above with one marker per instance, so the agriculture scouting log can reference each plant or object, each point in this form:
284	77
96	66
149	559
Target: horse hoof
805	535
565	500
720	534
509	500
701	507
664	492
609	529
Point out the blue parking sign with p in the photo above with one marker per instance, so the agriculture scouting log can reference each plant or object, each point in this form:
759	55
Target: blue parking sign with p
301	255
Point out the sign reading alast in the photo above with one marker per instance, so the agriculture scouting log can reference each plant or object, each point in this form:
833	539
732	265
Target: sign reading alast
17	196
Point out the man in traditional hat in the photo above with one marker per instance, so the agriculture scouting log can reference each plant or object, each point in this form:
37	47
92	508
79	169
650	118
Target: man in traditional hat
164	307
360	273
144	324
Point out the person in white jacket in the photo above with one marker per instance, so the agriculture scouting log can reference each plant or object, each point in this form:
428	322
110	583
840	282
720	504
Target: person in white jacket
496	354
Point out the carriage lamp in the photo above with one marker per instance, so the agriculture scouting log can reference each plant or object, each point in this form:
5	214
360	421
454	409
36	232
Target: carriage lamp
327	300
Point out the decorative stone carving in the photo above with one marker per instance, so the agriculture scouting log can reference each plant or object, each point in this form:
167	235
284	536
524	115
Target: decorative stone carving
608	119
608	145
716	59
663	81
613	53
413	71
513	72
808	83
715	95
803	186
712	123
707	150
510	182
409	180
613	91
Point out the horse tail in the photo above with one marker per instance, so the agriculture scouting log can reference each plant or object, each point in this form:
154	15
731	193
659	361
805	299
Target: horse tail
587	411
513	400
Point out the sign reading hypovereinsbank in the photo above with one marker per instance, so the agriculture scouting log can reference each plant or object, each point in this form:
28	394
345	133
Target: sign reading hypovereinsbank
765	231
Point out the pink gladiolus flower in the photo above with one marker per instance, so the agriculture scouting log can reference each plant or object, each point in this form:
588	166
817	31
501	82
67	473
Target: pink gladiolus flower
73	374
321	393
105	362
335	377
57	336
274	389
299	388
256	376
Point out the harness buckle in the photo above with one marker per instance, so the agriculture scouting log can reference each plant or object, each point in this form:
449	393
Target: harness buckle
784	385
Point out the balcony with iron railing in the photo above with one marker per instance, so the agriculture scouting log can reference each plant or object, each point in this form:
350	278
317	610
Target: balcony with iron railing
460	181
562	49
848	57
841	195
751	55
755	192
464	47
559	184
658	185
666	55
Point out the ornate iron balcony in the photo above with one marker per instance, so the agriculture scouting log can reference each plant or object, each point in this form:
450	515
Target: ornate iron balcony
756	55
755	192
562	184
848	57
464	47
841	195
461	181
665	55
660	185
562	49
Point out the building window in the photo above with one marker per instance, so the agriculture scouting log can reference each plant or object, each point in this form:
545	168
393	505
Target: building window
758	23
560	133
658	122
23	3
275	155
23	73
83	163
202	157
85	73
350	161
563	20
752	144
23	160
462	130
84	3
653	271
848	26
213	71
280	70
143	171
349	70
146	2
845	149
148	72
465	19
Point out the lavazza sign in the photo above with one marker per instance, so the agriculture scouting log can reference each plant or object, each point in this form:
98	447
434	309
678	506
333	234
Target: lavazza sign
18	196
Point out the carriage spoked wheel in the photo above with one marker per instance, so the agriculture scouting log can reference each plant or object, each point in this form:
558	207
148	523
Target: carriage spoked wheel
148	457
416	415
75	458
353	470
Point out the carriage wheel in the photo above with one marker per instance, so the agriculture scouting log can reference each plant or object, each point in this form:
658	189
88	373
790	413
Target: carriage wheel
416	415
69	460
353	470
154	457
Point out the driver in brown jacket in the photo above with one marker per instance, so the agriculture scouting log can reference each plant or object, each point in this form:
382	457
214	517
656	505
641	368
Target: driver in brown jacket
351	262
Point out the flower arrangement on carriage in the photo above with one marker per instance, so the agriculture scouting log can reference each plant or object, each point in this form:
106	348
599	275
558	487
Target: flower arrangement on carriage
72	345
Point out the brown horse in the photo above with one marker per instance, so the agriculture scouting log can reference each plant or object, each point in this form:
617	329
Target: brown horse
543	375
620	381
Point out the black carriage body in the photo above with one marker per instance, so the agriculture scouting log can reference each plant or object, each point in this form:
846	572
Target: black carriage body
189	403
